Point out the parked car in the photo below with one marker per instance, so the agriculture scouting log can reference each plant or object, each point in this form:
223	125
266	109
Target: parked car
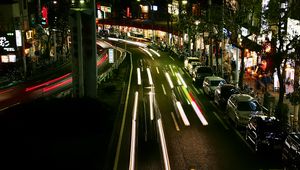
223	92
190	60
200	72
240	108
291	150
192	66
210	83
265	133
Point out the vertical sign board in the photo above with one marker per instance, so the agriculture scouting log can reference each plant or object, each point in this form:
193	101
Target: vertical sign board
8	48
111	55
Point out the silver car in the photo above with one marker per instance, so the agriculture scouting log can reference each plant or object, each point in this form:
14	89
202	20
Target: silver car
210	83
240	108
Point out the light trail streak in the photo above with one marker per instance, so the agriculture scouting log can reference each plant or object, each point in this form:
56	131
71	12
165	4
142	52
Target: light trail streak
189	98
149	76
155	52
101	60
182	114
5	91
198	111
181	79
67	81
47	83
199	114
169	80
133	133
151	95
163	144
139	80
147	52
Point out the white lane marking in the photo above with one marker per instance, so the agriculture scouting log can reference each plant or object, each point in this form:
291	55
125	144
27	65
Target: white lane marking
175	122
157	70
182	114
218	117
220	120
9	106
133	133
163	145
244	140
123	118
149	76
139	76
164	90
172	58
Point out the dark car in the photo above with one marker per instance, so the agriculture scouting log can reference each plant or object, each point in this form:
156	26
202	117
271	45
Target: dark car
200	72
291	150
265	133
223	92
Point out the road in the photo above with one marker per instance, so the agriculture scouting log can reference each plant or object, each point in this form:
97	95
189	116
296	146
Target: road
169	123
194	139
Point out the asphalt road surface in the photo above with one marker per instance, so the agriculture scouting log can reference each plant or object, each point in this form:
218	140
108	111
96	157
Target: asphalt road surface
197	133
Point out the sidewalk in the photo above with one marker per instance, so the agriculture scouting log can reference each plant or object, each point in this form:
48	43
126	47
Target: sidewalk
274	95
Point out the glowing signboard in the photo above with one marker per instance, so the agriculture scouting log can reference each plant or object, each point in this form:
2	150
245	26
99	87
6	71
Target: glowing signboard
7	42
111	55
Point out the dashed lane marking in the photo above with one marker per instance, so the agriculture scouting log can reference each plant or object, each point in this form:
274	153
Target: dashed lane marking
175	122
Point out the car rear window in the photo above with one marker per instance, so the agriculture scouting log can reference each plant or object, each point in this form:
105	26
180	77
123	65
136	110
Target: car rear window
215	82
204	70
248	106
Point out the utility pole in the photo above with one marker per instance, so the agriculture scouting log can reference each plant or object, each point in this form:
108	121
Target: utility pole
84	75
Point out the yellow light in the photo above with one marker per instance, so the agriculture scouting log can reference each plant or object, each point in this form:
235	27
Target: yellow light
81	1
184	2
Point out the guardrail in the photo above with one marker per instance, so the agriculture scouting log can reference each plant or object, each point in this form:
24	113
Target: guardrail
108	73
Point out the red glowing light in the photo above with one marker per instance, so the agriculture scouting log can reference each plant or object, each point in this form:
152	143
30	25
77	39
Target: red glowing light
46	83
65	82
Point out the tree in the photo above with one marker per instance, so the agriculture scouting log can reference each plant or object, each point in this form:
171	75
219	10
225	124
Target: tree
239	14
276	16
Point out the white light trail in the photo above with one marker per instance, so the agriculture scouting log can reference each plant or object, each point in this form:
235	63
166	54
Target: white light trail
199	114
149	76
169	80
182	114
134	43
163	145
133	133
155	52
181	79
151	95
147	52
172	70
139	81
